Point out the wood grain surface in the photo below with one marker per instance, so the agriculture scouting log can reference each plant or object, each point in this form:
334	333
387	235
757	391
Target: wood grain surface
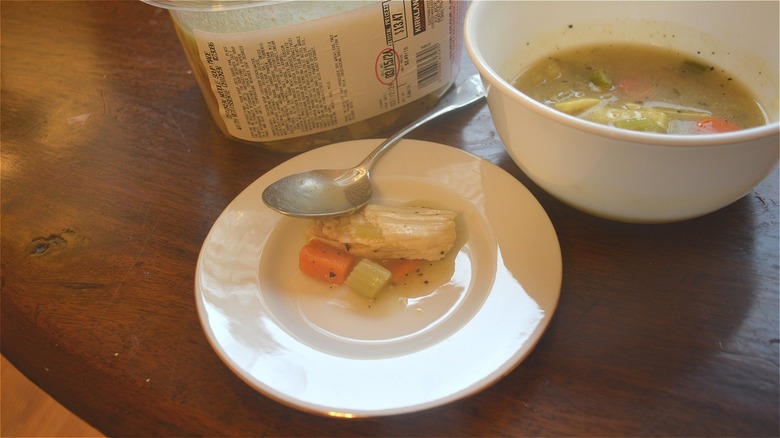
113	174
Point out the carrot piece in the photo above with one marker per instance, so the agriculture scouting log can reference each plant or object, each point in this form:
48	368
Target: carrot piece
325	262
711	126
401	269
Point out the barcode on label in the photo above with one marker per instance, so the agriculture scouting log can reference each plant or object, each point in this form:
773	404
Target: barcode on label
428	65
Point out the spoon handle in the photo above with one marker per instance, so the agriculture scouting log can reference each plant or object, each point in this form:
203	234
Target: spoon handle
466	93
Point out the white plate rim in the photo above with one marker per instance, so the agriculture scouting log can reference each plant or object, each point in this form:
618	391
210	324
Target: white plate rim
432	159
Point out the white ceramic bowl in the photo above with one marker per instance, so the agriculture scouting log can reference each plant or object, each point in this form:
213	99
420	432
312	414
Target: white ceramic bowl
619	174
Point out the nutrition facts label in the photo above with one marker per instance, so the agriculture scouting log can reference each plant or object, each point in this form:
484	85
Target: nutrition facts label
321	74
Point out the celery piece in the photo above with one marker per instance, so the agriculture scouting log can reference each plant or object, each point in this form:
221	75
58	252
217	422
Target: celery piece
576	106
643	124
679	112
685	114
616	116
608	115
368	278
601	79
659	117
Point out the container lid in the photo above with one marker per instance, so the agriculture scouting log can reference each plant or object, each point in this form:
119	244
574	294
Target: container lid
206	6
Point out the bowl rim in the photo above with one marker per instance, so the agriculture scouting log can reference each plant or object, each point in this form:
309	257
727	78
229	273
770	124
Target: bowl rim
493	79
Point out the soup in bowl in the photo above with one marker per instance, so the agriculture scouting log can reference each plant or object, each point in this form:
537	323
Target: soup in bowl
623	174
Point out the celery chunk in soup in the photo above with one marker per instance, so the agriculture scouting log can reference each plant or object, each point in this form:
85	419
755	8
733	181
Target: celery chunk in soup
641	88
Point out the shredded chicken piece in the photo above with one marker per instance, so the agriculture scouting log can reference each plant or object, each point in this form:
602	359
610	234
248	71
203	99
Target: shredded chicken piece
380	232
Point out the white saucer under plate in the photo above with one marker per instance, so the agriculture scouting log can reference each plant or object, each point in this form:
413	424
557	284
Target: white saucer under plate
322	349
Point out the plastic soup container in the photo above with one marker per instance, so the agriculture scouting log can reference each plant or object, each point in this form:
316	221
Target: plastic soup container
294	75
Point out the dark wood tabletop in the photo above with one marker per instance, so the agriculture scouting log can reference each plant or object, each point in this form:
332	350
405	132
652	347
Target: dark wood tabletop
113	173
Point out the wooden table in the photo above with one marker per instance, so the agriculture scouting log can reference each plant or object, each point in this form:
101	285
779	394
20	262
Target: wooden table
113	173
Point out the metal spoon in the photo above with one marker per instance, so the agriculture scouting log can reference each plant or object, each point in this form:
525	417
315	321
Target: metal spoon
333	192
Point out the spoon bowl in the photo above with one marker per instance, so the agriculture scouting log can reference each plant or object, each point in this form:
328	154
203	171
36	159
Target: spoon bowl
334	192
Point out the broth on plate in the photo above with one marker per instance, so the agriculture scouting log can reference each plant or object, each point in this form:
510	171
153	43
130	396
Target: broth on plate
642	88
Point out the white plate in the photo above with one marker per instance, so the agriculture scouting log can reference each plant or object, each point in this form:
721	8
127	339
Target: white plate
323	349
